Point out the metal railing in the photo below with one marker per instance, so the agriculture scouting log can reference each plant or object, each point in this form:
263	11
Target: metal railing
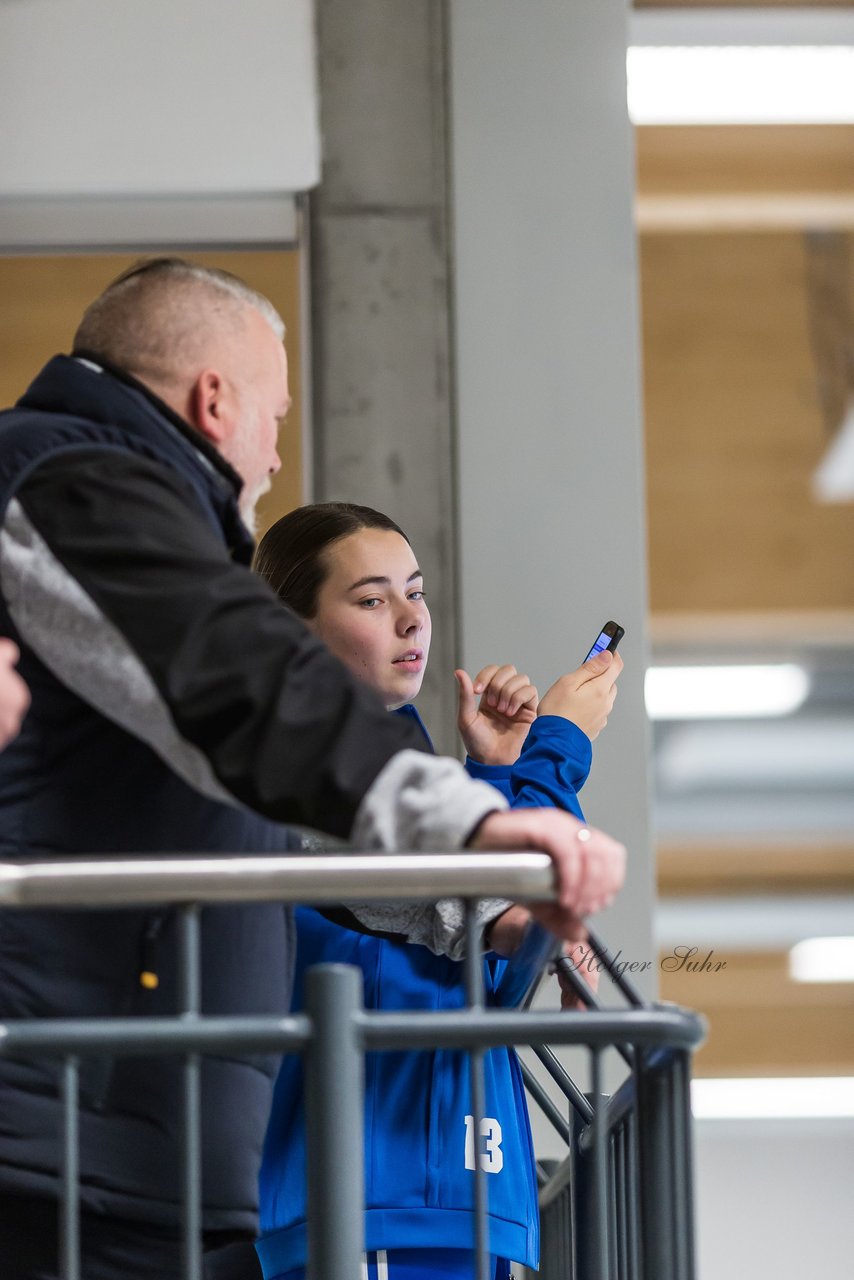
619	1207
621	1204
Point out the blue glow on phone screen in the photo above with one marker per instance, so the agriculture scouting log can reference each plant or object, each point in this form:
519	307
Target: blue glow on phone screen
602	643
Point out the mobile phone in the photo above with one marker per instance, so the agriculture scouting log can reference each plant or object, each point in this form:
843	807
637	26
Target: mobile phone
609	637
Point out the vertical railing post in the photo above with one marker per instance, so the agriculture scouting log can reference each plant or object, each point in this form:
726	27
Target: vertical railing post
592	1218
190	1005
619	1214
600	1168
664	1142
474	999
633	1194
683	1172
334	1097
579	1224
69	1208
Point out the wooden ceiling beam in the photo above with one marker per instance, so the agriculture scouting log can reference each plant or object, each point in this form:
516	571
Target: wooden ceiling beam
761	1023
742	160
817	211
778	631
726	178
717	869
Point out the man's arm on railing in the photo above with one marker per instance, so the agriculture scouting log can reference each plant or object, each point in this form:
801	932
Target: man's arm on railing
126	594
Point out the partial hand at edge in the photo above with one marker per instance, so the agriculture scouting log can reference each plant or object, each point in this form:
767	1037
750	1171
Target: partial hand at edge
14	694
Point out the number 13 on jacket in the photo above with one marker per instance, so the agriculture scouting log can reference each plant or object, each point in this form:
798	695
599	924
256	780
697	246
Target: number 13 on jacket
491	1155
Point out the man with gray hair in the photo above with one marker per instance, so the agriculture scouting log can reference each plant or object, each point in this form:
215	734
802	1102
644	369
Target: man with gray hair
176	706
176	327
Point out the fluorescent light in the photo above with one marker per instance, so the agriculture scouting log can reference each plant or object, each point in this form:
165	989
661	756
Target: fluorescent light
822	960
785	1098
707	693
741	85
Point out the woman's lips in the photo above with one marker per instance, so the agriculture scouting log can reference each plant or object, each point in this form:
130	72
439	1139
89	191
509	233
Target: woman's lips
412	661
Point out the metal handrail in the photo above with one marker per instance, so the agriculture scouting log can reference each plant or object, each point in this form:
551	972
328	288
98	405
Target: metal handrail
661	1038
321	880
129	1037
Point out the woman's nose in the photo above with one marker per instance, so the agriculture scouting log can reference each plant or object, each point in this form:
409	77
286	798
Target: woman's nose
409	621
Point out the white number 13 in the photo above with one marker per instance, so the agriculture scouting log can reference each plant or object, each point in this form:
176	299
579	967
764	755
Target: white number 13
492	1158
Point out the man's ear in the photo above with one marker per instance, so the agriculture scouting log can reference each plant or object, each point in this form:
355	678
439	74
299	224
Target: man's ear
207	406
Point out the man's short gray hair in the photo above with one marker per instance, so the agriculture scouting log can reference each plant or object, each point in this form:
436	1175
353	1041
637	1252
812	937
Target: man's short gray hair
154	318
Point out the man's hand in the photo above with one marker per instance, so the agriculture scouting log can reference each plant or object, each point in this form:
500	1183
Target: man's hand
587	695
14	694
494	730
589	866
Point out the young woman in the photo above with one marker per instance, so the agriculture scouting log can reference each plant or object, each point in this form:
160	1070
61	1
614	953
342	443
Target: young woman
351	574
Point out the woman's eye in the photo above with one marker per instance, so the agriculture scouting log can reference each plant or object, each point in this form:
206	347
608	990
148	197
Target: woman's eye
416	595
370	603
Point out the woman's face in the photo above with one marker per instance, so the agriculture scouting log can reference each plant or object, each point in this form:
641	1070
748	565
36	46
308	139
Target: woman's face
372	614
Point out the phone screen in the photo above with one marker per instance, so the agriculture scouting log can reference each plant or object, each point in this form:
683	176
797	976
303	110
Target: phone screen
609	637
600	645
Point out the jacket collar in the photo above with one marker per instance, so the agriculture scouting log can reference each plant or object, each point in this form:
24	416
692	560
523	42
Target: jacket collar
409	712
82	376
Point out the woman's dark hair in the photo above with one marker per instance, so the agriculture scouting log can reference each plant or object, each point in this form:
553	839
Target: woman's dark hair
290	555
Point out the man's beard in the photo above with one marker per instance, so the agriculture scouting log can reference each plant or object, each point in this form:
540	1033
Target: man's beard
248	503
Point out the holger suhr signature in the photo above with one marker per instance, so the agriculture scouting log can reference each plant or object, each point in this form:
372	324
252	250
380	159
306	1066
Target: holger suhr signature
683	959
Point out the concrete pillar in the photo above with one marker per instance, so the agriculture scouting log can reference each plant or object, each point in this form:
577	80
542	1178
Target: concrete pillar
380	282
548	444
551	479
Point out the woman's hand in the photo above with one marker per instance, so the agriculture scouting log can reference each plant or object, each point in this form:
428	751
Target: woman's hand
587	695
506	932
495	728
580	956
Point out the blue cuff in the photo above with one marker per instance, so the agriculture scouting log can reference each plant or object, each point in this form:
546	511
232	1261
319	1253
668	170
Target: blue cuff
493	773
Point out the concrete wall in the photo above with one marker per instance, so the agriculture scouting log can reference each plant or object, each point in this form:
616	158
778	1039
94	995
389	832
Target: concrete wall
549	436
774	1199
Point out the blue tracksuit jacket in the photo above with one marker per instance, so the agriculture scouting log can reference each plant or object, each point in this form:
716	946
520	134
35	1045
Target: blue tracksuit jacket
419	1141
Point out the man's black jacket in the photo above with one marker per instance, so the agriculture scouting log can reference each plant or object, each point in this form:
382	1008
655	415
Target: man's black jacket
176	707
